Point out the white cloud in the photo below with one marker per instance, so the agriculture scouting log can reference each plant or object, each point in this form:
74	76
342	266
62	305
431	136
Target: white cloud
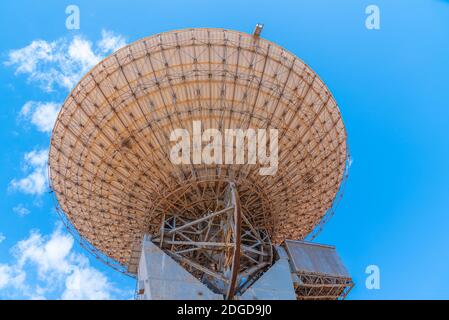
60	271
61	63
2	237
37	158
80	51
35	182
87	284
5	275
50	256
110	42
42	115
27	58
11	277
21	210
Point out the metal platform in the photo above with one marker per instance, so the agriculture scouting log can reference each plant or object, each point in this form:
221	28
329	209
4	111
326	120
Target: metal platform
318	272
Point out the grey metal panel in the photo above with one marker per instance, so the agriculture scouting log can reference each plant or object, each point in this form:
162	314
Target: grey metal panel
275	284
314	258
163	278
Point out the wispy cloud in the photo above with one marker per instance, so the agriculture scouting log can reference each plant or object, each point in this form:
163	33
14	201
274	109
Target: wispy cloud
60	271
11	277
87	283
21	210
42	115
35	183
61	63
2	237
110	42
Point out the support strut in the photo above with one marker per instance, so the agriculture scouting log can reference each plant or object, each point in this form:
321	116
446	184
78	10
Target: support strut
221	248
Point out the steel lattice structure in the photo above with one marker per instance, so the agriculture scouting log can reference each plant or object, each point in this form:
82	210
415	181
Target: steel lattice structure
109	161
207	246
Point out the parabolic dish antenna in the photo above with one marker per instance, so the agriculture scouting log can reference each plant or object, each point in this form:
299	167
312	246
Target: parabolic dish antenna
110	166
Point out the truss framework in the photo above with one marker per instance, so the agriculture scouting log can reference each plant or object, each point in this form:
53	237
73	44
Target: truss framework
221	248
109	166
321	287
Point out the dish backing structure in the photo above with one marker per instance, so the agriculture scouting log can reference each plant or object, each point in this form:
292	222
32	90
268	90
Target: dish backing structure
223	228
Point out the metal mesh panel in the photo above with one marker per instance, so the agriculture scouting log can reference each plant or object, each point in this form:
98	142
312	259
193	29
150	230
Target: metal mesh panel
109	161
318	271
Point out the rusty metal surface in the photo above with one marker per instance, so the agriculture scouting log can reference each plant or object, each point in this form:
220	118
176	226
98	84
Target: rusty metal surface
237	242
109	167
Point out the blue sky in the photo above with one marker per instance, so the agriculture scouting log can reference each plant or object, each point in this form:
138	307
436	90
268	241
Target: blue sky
391	85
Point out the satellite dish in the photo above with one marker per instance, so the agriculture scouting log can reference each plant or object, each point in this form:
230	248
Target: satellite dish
110	166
